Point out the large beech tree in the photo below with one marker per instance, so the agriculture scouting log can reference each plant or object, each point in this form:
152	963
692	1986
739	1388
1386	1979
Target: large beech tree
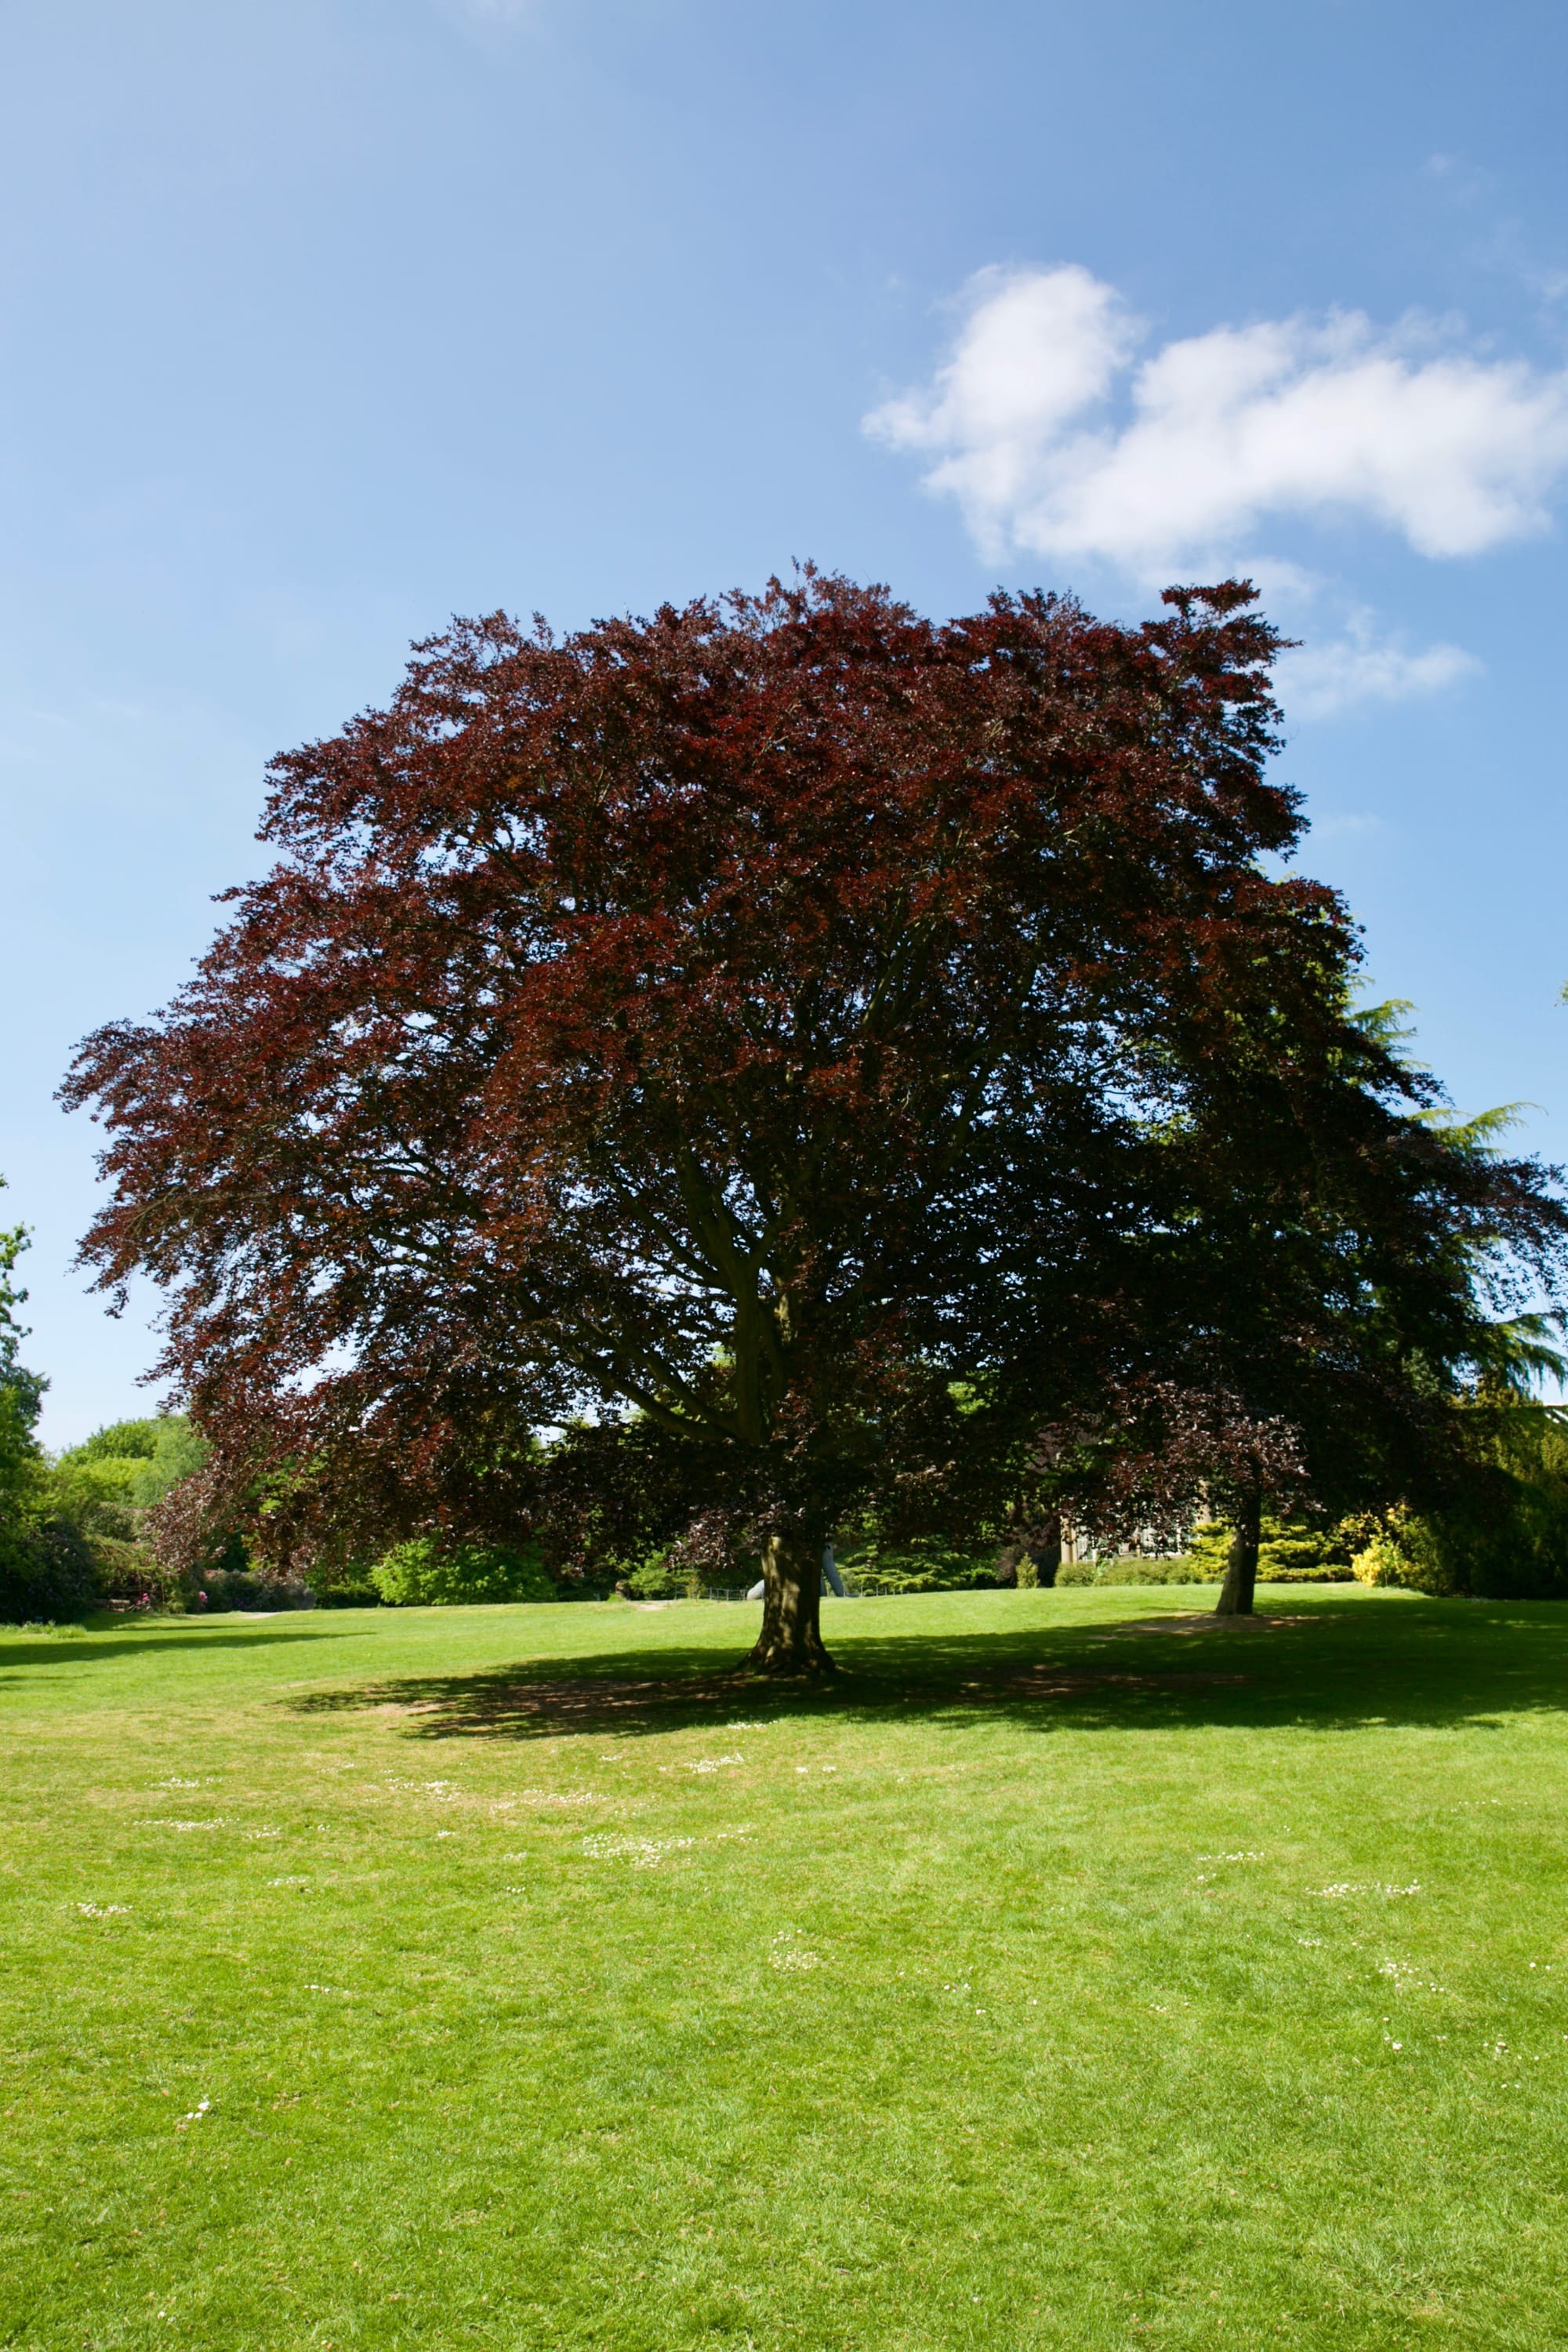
775	1019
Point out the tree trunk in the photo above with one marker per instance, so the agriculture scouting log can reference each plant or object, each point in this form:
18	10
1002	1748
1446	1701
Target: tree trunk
1241	1569
791	1639
1046	1552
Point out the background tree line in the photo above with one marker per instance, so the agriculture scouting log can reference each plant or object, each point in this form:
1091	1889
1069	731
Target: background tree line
128	1517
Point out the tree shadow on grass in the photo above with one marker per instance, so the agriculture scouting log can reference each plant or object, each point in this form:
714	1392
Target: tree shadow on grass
1427	1664
39	1650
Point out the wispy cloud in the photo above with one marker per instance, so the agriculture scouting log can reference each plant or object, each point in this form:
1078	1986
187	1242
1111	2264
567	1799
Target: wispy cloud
1321	680
1221	432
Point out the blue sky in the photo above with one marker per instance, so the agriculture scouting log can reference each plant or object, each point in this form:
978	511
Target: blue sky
323	321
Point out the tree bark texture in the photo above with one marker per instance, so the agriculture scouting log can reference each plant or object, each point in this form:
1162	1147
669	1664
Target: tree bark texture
791	1639
1241	1569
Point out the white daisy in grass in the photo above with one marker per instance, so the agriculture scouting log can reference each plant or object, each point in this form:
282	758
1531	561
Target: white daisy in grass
788	1953
643	1853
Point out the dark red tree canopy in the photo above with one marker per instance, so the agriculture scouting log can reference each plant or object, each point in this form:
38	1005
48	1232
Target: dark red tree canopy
842	1039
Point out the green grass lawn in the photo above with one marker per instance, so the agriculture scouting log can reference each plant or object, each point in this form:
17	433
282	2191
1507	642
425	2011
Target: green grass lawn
1075	1971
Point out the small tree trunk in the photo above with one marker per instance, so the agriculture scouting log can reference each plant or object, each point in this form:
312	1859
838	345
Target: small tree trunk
1241	1569
791	1639
1047	1552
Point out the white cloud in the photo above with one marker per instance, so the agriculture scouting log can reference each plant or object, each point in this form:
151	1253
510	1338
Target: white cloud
1039	347
1223	430
1319	681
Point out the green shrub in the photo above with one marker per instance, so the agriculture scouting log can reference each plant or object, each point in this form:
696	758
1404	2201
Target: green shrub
1293	1551
661	1578
1504	1536
1506	1541
923	1564
1306	1575
1290	1551
1133	1569
47	1571
889	1577
1184	1569
667	1577
425	1573
353	1589
127	1569
237	1588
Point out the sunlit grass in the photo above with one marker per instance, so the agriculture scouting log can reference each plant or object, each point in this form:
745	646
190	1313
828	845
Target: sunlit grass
513	1976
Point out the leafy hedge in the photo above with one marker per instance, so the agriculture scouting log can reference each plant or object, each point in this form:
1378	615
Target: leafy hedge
424	1573
223	1589
919	1565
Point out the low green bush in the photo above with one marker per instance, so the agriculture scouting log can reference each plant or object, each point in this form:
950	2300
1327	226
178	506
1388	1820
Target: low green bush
1133	1569
235	1588
919	1565
1189	1569
1306	1575
425	1573
1184	1569
354	1590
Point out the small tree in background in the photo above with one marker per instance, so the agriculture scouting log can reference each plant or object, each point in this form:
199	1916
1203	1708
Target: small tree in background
832	1037
1360	1347
24	1482
107	1489
45	1569
105	1484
